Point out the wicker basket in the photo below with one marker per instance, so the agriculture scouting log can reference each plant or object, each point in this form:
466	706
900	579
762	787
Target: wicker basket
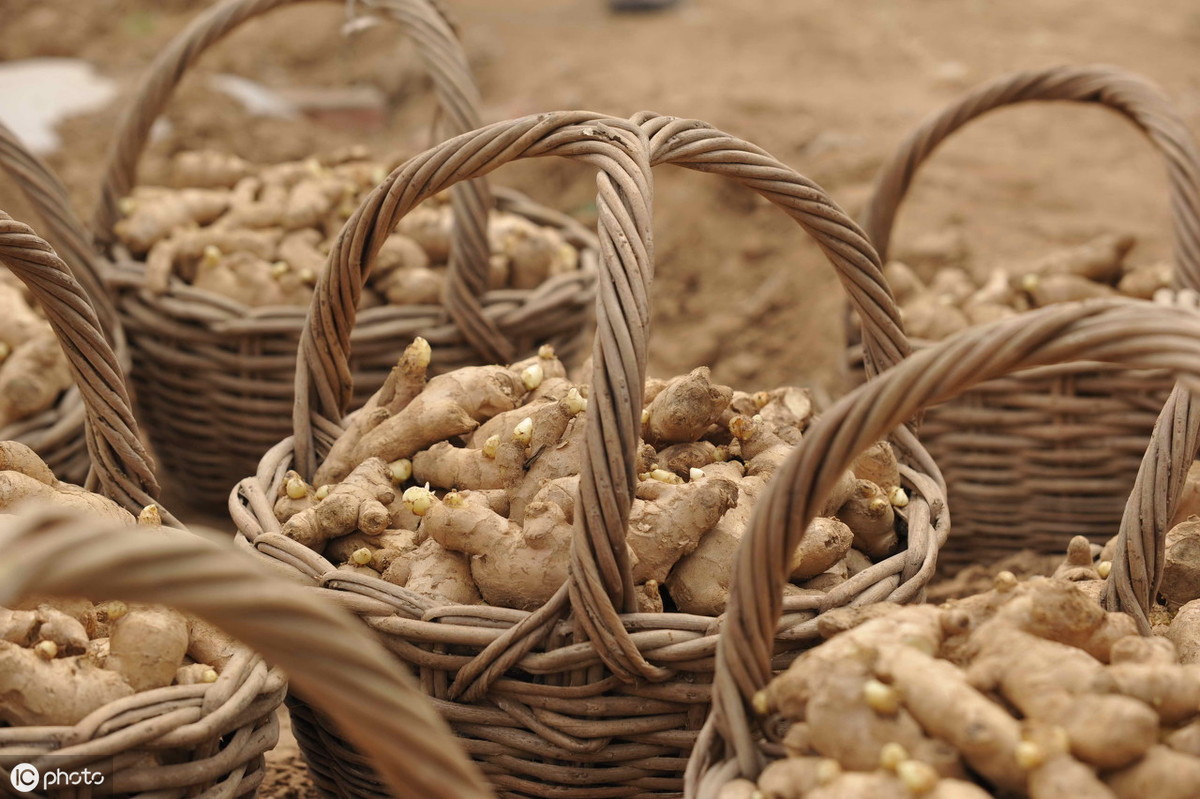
1119	332
328	656
57	433
220	730
581	697
1032	459
214	377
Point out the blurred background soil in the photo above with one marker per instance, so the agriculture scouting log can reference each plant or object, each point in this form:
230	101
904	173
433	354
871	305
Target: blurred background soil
827	86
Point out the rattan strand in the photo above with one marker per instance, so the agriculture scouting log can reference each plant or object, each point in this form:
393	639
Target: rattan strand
1032	459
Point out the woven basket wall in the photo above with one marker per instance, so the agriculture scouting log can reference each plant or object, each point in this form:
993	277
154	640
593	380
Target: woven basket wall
1033	459
735	743
214	377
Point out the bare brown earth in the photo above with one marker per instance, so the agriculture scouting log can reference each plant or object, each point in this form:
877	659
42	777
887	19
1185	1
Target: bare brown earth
828	86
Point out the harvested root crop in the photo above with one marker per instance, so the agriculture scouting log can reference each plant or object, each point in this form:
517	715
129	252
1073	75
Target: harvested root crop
33	367
261	235
1028	689
953	300
471	477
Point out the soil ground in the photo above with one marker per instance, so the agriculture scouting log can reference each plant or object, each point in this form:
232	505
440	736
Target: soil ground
827	86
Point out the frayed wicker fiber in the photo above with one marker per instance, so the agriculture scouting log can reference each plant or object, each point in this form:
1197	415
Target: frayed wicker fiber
582	697
214	377
1034	458
328	656
57	433
1127	333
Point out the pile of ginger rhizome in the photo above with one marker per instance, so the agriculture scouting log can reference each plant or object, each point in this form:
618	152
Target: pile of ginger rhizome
1029	689
940	294
261	234
33	367
62	659
461	488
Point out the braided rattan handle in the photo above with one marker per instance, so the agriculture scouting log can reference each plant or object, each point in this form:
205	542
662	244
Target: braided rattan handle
1130	95
328	655
457	95
119	459
62	228
1115	331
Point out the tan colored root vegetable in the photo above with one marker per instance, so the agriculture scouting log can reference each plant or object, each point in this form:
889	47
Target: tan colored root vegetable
1163	773
439	574
152	217
1181	565
360	502
932	316
207	169
295	496
662	532
17	457
32	378
1143	281
19	322
903	281
429	226
868	513
18	626
39	692
16	487
147	646
680	459
195	674
1098	261
1053	772
685	408
1184	633
1054	288
451	404
788	408
942	701
795	777
209	644
824	543
878	465
67	633
1054	683
413	286
953	283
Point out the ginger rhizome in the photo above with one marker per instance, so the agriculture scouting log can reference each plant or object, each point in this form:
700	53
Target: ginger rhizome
33	367
461	488
261	234
62	659
959	293
1027	689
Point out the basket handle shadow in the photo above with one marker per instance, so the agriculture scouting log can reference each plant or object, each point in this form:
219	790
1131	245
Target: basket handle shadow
121	466
330	657
458	98
1129	333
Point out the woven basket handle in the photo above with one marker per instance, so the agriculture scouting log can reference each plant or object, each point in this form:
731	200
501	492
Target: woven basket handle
458	98
328	655
63	228
120	462
1124	332
1130	95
